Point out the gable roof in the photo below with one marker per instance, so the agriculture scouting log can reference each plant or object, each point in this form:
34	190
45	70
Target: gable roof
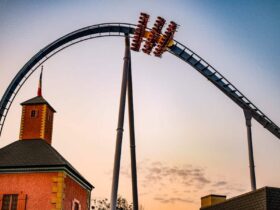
36	101
36	155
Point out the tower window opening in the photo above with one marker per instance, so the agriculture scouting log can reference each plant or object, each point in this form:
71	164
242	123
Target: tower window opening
49	116
34	113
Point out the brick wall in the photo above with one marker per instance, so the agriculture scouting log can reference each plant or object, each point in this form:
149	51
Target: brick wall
266	198
36	187
38	127
44	191
31	127
74	191
273	198
48	126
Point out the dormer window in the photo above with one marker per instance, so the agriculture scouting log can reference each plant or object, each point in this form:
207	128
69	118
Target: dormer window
34	113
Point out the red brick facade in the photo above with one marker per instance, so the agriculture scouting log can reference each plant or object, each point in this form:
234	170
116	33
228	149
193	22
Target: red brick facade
74	192
44	191
35	187
36	122
30	127
48	126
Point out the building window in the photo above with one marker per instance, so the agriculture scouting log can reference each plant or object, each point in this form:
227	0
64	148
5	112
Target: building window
9	202
76	205
49	116
34	113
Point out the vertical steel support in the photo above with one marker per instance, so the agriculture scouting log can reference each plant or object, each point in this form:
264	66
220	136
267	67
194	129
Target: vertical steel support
248	118
132	138
117	160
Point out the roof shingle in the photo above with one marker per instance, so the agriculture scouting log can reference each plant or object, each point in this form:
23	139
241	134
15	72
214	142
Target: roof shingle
37	100
34	153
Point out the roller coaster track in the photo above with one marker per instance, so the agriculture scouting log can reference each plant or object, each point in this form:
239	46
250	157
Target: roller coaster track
121	29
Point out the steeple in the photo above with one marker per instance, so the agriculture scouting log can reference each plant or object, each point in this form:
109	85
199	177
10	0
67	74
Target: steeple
39	91
37	117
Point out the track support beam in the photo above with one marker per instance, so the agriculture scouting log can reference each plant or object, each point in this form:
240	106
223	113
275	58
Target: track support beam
132	138
248	118
118	150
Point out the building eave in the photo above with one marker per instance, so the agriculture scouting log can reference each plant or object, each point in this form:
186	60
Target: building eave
82	181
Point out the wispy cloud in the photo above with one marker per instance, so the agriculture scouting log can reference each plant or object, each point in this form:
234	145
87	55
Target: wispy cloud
175	183
187	175
172	200
219	183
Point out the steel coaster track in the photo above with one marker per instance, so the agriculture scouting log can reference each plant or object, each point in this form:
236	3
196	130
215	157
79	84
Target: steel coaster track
121	29
83	34
223	84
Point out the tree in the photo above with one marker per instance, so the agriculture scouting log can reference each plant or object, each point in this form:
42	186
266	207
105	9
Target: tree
100	204
122	204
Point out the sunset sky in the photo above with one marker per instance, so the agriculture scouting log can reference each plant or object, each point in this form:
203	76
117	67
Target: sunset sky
190	137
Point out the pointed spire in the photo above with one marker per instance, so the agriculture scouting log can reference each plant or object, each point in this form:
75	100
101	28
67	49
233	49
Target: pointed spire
39	92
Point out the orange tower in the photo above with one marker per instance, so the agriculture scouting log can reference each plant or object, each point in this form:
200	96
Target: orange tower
37	118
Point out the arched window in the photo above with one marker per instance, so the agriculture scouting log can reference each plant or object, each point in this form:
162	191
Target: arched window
76	205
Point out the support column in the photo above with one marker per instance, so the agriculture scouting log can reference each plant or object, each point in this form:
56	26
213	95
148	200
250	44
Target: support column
248	118
117	160
132	139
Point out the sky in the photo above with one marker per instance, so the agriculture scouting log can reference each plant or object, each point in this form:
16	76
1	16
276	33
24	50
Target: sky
190	138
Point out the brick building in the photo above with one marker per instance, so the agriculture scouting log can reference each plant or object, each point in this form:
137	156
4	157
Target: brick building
33	175
266	198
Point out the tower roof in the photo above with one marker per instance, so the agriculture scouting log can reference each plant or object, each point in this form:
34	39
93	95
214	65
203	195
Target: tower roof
36	155
37	100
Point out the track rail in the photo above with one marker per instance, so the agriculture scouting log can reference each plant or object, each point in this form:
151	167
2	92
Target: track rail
121	29
223	84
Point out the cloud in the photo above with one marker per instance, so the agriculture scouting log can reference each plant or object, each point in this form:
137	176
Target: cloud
178	183
187	175
219	183
172	200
